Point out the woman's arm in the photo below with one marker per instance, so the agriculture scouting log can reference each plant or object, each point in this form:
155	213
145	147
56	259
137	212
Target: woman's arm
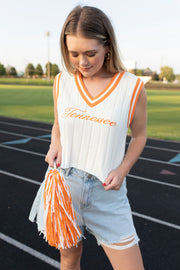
55	146
136	145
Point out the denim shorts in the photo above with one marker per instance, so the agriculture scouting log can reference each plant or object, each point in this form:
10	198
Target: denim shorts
105	214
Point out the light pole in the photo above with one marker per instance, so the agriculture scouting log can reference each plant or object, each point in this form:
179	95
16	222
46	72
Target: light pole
48	67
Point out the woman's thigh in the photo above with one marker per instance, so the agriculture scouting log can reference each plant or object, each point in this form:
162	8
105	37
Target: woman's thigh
125	259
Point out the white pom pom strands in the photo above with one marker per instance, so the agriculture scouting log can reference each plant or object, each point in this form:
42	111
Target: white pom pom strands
61	230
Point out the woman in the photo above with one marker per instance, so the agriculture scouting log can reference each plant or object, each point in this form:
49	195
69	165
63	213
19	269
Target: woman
95	101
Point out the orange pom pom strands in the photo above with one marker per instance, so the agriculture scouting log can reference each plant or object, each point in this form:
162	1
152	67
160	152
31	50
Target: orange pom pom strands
61	230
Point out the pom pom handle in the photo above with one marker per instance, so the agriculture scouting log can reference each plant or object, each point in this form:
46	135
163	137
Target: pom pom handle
55	167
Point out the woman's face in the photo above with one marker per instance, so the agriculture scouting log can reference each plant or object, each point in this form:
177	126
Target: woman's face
86	55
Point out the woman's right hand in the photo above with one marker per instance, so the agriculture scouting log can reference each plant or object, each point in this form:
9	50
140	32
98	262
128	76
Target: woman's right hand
53	154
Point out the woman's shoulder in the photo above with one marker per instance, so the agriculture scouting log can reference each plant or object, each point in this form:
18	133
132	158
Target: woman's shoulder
64	75
130	76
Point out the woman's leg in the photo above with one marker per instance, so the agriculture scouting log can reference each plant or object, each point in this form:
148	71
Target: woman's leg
70	258
122	258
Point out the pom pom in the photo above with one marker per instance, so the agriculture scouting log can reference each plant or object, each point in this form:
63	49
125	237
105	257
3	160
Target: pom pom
61	230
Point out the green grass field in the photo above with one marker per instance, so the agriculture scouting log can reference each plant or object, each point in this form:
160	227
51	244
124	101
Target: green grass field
164	114
27	102
36	103
23	81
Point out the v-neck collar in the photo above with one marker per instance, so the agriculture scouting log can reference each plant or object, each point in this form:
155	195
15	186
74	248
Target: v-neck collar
93	101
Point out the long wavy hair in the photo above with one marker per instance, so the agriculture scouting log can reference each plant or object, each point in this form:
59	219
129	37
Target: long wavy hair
92	23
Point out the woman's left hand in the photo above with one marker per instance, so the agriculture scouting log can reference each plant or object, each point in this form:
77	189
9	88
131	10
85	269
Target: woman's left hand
114	179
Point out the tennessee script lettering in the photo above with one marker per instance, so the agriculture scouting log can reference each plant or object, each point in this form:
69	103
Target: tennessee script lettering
77	113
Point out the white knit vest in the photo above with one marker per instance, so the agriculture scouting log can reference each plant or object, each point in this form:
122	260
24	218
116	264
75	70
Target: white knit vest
93	129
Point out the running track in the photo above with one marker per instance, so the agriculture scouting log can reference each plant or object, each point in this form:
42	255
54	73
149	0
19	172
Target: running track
153	191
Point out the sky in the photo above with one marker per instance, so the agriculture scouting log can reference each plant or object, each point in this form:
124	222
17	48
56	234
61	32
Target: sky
147	32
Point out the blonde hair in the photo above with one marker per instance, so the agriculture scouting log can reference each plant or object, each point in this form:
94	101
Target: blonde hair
91	23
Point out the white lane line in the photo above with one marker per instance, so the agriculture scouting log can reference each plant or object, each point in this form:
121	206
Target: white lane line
30	251
129	175
156	220
24	126
22	150
153	181
30	127
23	135
21	177
159	161
134	213
160	148
9	123
43	155
46	140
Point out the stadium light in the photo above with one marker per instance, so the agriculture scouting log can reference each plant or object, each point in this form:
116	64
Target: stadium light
48	67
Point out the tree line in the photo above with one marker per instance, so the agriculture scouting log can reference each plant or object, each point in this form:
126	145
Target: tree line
30	71
166	73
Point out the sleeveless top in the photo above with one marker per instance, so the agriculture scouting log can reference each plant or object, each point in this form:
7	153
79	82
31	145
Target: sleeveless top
94	129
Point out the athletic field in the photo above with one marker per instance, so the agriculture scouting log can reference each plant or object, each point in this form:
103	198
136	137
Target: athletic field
153	183
153	191
36	103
